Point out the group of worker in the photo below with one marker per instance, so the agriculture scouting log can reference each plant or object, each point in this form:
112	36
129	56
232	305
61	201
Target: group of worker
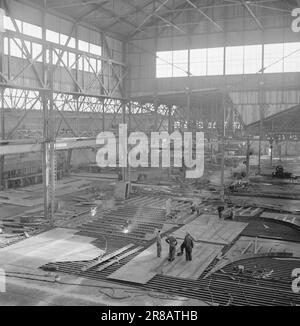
187	246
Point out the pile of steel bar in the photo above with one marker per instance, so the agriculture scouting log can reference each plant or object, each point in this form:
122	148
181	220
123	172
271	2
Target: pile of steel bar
127	222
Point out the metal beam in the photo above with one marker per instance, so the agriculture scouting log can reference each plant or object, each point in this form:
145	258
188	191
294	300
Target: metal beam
170	23
136	9
80	4
96	7
148	17
141	9
205	15
112	14
62	47
37	89
12	148
59	13
270	8
252	14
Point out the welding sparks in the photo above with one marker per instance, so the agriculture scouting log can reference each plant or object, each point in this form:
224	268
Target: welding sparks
93	211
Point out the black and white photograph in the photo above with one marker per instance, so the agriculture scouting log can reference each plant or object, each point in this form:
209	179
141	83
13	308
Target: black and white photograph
149	156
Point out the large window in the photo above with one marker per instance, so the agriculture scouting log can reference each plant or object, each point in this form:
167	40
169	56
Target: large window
243	59
273	58
180	63
172	64
164	64
252	59
37	52
215	61
64	40
248	59
207	62
8	24
32	30
234	60
52	36
14	47
198	58
291	57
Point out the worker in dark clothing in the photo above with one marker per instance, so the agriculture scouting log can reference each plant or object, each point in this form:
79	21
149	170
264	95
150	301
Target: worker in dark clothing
231	214
220	210
158	243
187	245
171	240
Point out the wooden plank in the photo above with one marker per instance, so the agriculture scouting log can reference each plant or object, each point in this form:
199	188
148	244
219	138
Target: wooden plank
204	219
117	259
203	255
105	258
141	268
257	211
55	245
146	265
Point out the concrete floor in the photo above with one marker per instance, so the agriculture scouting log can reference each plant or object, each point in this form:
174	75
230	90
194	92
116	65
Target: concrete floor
28	285
43	290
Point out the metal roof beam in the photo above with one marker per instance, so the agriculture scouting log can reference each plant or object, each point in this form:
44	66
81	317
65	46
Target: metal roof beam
170	23
149	17
93	10
178	7
205	15
75	4
119	18
252	14
133	12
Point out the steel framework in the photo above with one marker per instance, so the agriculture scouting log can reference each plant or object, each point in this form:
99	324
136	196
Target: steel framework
32	83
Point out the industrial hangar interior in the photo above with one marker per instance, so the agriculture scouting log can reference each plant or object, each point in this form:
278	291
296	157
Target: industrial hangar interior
149	152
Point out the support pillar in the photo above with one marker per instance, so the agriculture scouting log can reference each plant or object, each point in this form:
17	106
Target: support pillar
170	128
129	131
223	146
2	119
271	152
2	110
261	104
49	164
261	126
248	158
124	122
103	115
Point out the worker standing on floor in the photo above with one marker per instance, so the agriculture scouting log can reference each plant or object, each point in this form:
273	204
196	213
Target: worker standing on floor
158	243
220	211
171	240
169	207
187	245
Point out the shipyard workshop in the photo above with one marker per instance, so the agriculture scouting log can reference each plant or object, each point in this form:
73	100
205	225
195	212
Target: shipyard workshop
149	153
